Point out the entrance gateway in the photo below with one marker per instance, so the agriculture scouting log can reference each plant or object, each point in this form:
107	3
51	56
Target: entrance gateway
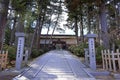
59	44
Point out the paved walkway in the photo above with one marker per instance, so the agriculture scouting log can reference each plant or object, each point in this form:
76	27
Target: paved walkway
56	65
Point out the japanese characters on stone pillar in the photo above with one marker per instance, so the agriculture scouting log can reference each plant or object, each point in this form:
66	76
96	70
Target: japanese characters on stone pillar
92	54
20	49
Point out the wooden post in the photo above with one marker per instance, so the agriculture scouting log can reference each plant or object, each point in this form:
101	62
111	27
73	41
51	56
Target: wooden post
103	59
3	59
109	59
118	58
6	58
106	64
113	61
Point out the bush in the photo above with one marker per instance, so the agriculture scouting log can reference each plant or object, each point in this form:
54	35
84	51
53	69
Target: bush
11	53
99	54
45	50
117	42
78	49
36	52
5	47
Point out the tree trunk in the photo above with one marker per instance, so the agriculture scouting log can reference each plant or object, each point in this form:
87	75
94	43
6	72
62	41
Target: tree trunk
119	15
32	41
54	29
76	29
104	28
19	28
98	29
42	8
48	29
35	34
20	25
55	23
89	24
82	32
3	19
40	29
13	33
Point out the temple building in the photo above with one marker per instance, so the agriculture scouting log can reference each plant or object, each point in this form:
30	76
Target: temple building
58	41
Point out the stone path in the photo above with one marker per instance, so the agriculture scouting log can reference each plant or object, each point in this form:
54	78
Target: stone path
55	65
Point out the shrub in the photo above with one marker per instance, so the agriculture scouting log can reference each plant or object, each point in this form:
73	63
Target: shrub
11	53
99	54
117	42
78	49
36	52
5	47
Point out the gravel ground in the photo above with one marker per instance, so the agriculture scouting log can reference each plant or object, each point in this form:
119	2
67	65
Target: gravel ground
8	75
104	78
11	76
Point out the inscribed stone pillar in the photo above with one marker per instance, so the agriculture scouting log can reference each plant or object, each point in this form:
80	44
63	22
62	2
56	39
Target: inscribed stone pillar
92	55
20	50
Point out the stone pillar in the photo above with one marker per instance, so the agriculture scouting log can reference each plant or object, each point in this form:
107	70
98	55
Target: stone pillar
20	50
92	56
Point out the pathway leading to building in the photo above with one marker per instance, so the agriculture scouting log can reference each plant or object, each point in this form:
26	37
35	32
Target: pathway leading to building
56	65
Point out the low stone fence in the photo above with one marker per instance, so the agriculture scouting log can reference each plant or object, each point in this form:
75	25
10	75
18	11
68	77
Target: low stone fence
3	59
111	60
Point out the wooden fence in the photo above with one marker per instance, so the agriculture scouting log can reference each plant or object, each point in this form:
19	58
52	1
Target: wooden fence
111	60
3	59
